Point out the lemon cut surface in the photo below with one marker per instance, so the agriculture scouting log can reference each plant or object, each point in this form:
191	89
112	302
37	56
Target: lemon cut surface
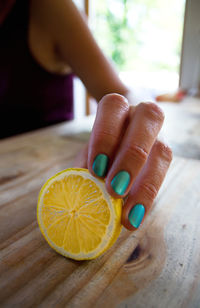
77	216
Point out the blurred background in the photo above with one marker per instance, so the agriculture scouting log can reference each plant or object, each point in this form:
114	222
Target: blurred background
149	42
142	37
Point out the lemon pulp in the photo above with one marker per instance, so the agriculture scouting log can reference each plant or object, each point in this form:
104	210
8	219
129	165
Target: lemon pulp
77	216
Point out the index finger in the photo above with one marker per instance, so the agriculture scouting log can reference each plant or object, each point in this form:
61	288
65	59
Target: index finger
107	131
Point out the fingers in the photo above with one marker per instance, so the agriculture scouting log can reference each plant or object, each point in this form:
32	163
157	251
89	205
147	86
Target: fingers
123	148
107	131
146	186
134	149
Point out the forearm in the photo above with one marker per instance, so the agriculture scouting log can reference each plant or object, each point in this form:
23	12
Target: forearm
87	59
101	79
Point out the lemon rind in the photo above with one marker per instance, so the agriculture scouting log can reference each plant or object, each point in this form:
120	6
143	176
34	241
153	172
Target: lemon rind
115	206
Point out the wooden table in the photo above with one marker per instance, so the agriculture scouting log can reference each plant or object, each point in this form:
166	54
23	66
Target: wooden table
156	266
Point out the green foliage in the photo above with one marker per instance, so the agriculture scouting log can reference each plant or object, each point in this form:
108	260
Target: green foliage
140	34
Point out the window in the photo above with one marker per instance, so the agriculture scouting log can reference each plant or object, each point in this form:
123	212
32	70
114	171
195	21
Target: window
143	38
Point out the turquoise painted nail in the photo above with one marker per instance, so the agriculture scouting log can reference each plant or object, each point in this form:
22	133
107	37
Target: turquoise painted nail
120	182
100	165
136	215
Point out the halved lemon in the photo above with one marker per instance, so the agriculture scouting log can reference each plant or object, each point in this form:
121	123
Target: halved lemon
77	216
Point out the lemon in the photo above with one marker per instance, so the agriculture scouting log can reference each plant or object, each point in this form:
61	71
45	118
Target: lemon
77	216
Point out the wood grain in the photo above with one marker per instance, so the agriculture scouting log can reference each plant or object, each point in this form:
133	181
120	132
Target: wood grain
156	266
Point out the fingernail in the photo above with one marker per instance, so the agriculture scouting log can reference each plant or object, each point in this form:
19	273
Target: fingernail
136	215
100	165
120	182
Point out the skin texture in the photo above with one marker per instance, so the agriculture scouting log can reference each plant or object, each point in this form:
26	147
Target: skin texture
131	145
60	41
59	38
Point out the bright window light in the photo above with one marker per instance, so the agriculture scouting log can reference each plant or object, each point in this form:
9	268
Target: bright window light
143	38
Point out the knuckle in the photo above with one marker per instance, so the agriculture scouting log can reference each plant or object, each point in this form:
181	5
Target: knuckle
164	151
137	153
105	134
114	100
153	111
149	190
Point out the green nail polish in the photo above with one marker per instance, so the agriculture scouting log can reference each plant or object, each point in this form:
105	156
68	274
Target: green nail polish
100	165
136	215
120	182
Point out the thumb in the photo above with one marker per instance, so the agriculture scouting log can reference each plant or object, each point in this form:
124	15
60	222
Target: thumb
81	159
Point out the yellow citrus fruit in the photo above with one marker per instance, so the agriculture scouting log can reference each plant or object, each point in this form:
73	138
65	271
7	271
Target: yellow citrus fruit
77	216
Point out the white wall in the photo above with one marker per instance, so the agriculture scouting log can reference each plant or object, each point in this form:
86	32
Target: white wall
190	63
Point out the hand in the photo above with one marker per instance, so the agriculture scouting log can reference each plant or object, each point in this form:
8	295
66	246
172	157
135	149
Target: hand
124	149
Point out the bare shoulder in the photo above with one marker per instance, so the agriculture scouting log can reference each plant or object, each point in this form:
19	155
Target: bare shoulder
50	15
62	22
44	15
59	26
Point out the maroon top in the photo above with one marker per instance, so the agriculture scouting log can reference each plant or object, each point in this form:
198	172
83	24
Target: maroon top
30	97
